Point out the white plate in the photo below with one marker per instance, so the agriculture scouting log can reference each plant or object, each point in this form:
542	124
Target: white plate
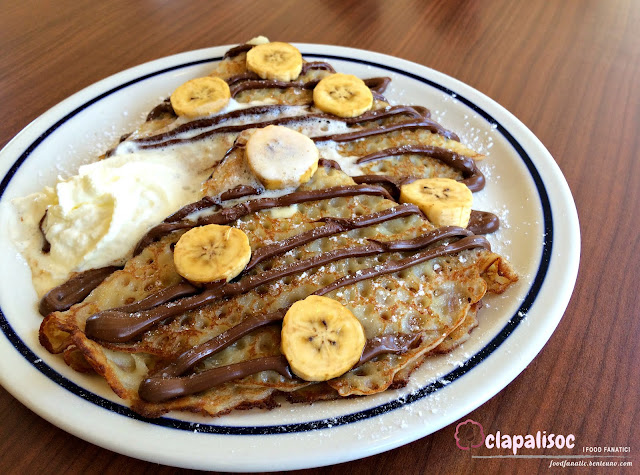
525	187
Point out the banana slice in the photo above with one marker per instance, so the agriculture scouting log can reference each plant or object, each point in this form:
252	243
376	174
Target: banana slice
446	202
343	95
200	96
321	338
281	157
212	252
279	61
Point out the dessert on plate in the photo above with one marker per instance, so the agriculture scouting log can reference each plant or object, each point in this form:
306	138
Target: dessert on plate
304	239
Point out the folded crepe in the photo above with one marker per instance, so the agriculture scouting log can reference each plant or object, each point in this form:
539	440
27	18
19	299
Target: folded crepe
163	343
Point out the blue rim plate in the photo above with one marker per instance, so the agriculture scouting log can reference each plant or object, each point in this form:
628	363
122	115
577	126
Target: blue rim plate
525	188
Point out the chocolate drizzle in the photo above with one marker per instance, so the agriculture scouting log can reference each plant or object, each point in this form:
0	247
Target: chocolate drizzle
233	213
163	389
377	85
74	290
246	85
398	344
46	245
391	184
164	109
77	288
118	325
250	80
204	203
326	163
333	226
168	384
307	65
193	356
236	50
473	177
469	242
163	296
246	82
384	129
239	191
171	137
247	75
483	222
211	121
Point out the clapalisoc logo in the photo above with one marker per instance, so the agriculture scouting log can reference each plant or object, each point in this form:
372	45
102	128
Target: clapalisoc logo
470	434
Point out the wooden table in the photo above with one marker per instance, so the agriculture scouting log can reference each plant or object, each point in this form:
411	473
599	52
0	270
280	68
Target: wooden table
569	70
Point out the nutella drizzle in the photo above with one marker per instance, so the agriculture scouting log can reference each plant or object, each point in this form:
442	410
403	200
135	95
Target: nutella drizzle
210	121
237	50
377	85
480	222
163	389
204	203
239	191
473	177
327	163
383	129
169	138
307	65
247	75
483	222
246	85
333	226
398	344
117	325
168	384
468	242
193	356
391	183
163	109
163	296
187	360
46	245
74	290
233	213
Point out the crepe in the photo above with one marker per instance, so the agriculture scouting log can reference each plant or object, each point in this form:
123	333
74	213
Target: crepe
432	304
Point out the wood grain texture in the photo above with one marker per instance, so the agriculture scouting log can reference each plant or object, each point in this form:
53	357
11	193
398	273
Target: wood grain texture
570	70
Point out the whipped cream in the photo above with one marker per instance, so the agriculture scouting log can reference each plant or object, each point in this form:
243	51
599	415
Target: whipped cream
95	218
